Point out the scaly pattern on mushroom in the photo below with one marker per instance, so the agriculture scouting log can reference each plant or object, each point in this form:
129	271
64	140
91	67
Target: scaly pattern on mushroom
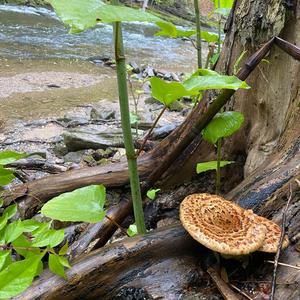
225	227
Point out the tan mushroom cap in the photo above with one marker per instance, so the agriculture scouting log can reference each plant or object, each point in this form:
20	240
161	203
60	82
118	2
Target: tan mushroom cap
273	234
225	227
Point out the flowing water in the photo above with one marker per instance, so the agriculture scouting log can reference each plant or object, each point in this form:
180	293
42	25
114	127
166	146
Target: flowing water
37	54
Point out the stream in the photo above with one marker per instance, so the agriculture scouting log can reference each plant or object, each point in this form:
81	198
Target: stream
44	71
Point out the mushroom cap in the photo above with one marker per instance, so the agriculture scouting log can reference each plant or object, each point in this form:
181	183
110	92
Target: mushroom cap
221	225
273	234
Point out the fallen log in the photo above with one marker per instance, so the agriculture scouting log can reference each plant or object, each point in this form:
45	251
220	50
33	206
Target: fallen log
164	262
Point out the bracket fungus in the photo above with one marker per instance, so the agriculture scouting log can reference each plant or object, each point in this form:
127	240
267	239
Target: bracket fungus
225	227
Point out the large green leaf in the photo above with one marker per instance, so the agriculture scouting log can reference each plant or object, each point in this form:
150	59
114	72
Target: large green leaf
6	176
170	30
168	92
82	205
211	165
50	237
7	157
222	125
207	79
81	15
18	276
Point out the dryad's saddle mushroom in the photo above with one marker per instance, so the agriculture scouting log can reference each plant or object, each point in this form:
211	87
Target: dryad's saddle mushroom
225	227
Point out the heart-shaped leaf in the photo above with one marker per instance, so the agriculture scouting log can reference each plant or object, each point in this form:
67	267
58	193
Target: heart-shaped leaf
222	125
82	205
81	15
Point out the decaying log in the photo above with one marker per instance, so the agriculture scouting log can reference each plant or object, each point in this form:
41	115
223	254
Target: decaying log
164	262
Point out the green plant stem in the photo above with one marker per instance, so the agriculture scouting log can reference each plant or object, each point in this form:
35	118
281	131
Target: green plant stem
151	130
219	30
218	175
198	28
126	127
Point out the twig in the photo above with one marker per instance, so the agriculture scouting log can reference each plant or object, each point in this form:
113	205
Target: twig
118	225
222	286
283	264
240	291
280	244
150	131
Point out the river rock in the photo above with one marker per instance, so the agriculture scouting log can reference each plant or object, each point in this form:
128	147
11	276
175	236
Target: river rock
74	157
149	72
135	68
162	132
92	138
99	114
60	149
72	119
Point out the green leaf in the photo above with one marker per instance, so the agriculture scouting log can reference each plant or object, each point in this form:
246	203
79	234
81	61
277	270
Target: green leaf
64	249
18	276
30	225
55	265
82	205
151	194
167	92
209	36
223	3
6	176
5	259
7	157
207	79
10	211
13	231
81	15
50	237
132	230
20	245
170	30
222	125
211	165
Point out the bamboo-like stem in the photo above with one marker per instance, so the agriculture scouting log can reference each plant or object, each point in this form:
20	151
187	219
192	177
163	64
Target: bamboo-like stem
218	175
198	28
125	121
219	29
